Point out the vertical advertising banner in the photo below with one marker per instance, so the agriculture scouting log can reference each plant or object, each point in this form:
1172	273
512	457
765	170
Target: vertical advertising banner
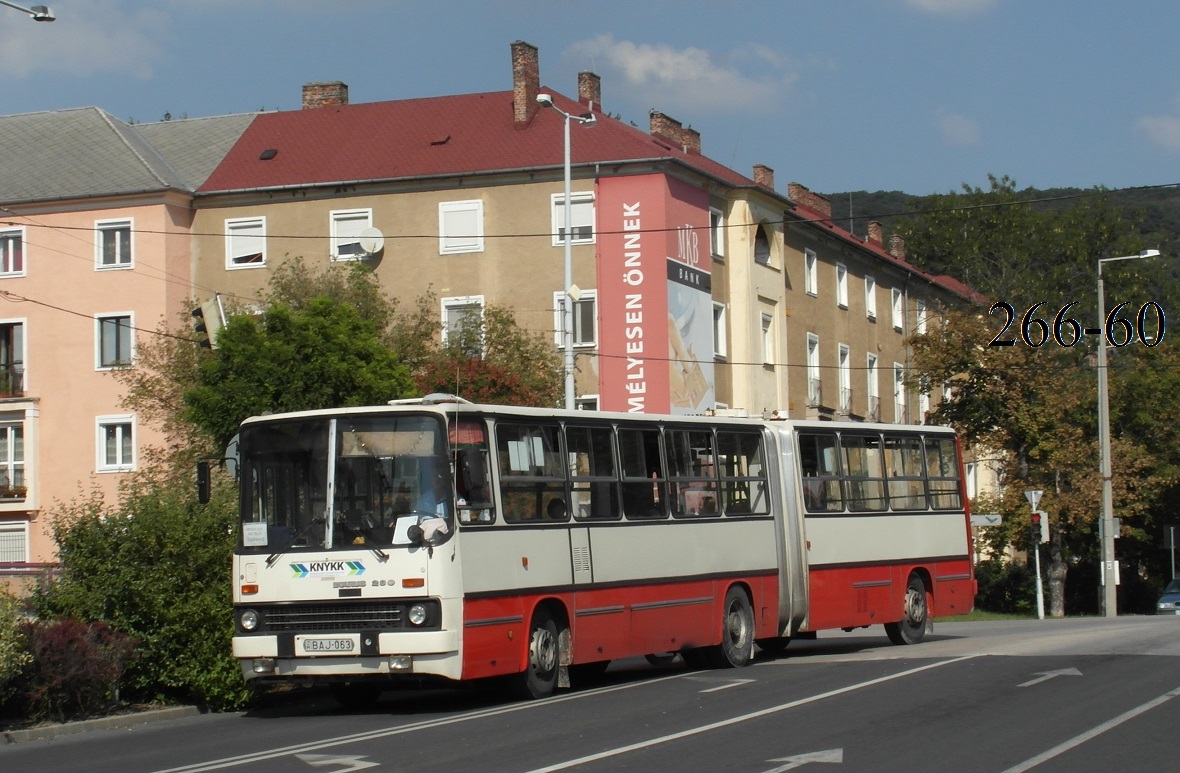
655	312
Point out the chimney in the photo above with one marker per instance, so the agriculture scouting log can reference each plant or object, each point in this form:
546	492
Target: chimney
897	247
764	176
803	195
665	127
691	140
590	90
875	233
526	80
332	94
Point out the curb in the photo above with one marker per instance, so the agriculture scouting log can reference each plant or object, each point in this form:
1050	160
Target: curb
102	723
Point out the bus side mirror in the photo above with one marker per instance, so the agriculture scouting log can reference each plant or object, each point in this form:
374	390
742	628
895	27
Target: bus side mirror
203	484
473	476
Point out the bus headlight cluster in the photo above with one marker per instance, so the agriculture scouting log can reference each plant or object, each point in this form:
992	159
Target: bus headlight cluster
248	619
417	614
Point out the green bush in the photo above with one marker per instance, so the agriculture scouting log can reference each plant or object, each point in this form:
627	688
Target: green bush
157	569
14	653
1005	586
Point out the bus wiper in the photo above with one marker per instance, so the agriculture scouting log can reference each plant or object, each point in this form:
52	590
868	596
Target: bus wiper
273	557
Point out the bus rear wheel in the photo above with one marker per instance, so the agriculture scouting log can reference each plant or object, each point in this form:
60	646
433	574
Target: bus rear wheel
911	628
539	679
737	632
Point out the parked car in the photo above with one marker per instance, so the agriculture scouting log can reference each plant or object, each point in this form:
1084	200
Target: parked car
1169	603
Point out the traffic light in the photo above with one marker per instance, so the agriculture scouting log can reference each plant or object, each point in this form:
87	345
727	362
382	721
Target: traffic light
1040	526
207	320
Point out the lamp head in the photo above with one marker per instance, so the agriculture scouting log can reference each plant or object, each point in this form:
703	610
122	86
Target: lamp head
1149	253
544	100
42	13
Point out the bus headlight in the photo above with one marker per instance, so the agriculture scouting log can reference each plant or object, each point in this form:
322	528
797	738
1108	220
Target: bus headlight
248	619
417	614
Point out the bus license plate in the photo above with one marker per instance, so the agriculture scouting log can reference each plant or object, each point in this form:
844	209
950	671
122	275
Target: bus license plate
327	645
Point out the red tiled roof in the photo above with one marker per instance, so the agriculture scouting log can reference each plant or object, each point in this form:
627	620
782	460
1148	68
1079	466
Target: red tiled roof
431	137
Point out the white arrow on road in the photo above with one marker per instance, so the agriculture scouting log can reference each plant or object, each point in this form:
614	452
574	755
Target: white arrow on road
324	760
831	755
1047	675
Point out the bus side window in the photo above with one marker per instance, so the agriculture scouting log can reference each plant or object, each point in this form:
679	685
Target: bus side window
644	486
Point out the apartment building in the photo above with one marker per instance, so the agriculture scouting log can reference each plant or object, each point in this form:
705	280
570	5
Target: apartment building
95	218
695	287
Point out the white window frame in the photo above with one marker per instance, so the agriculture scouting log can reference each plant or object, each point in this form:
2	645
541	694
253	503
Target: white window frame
810	268
586	296
586	403
242	233
454	235
717	233
345	231
458	302
19	364
870	297
116	225
21	530
98	340
10	466
844	369
720	331
767	339
920	316
971	479
899	396
897	310
578	210
813	373
923	399
5	235
125	421
872	385
842	285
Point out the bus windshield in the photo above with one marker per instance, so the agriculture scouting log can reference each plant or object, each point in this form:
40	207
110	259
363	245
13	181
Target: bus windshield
344	482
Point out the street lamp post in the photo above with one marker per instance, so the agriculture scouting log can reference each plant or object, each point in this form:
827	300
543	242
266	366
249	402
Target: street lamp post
38	12
567	338
1108	574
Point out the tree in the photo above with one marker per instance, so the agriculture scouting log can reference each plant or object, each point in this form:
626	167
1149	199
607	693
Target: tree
323	356
1033	406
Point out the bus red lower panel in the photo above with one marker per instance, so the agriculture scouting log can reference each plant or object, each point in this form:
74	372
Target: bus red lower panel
853	597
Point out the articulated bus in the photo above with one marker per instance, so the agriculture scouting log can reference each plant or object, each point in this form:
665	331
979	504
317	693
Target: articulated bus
439	538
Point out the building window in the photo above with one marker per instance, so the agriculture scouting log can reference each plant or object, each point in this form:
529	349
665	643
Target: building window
112	243
870	297
116	443
245	242
767	339
460	227
874	402
12	252
923	398
814	385
347	227
462	319
14	542
585	318
581	218
761	247
971	478
586	403
810	282
920	316
898	393
717	232
842	285
12	359
898	319
845	371
720	333
12	460
114	340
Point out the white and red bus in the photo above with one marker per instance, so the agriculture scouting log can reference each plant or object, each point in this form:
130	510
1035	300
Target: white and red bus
441	538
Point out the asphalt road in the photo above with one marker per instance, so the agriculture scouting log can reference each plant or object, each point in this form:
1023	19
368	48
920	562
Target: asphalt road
1053	695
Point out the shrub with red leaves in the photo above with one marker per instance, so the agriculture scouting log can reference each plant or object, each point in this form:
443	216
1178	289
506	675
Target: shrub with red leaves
75	670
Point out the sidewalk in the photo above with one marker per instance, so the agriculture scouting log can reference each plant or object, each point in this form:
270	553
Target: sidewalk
113	722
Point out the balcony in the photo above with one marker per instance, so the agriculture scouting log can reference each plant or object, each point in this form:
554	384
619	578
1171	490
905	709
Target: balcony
815	393
845	400
874	412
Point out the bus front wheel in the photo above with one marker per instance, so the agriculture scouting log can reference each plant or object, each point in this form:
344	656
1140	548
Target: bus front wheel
911	628
737	632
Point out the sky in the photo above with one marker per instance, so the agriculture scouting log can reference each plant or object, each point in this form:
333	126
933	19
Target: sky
920	96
